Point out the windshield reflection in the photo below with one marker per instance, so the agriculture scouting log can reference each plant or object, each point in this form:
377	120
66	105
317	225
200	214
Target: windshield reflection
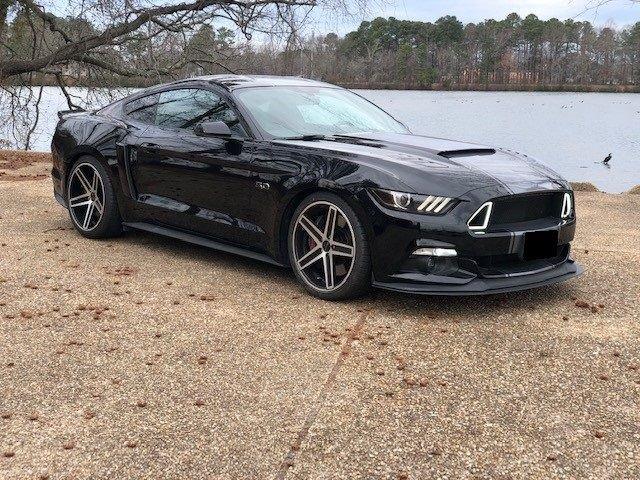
299	112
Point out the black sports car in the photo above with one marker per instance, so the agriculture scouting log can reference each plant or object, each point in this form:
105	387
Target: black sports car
305	174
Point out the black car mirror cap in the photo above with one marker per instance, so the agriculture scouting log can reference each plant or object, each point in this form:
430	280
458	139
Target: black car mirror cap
213	129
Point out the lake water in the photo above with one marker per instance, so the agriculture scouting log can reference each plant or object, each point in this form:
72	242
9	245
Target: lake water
571	132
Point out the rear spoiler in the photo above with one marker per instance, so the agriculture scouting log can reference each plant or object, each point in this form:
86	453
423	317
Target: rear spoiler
64	113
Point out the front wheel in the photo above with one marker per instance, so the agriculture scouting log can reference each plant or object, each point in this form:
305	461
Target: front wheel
328	248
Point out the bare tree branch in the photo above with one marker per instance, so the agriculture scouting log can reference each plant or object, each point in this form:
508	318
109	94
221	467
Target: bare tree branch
32	129
118	43
12	67
48	18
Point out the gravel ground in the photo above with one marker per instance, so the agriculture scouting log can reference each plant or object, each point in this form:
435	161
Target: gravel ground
143	357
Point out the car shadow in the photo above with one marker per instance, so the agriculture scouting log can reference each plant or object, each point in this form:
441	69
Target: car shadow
380	300
466	305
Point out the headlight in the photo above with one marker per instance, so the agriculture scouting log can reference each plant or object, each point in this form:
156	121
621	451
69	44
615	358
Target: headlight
409	202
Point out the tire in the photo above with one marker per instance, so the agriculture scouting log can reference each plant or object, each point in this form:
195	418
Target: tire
89	186
342	250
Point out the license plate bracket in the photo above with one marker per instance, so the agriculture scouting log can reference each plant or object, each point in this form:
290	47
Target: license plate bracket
540	245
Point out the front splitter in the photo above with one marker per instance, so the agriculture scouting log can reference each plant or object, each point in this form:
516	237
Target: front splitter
489	286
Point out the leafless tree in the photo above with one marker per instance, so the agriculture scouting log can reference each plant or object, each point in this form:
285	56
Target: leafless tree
109	43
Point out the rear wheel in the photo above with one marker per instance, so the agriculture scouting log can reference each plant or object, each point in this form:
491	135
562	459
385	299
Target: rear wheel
91	200
328	248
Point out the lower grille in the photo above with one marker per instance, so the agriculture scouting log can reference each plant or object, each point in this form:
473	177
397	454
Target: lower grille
525	208
513	264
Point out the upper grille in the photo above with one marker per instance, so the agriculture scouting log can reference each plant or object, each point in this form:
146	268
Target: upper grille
525	208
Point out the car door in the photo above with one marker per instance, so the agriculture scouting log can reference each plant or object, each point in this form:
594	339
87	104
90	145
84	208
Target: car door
197	183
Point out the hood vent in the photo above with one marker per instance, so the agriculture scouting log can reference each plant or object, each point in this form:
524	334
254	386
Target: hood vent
471	152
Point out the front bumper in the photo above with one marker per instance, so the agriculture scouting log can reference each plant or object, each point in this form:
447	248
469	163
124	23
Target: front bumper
486	286
503	258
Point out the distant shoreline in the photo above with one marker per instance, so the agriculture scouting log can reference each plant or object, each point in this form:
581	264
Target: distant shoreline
495	88
462	87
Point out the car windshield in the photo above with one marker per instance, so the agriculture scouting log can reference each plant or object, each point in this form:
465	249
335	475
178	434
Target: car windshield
289	111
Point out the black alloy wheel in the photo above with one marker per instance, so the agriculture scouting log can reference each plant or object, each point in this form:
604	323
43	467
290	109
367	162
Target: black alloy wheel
91	201
328	248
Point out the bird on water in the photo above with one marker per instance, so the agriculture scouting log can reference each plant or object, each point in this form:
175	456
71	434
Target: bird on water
607	159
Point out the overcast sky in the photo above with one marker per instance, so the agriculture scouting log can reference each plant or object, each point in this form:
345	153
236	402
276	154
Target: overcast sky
618	12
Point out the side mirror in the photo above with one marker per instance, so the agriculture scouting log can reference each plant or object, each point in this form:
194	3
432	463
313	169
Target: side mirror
213	129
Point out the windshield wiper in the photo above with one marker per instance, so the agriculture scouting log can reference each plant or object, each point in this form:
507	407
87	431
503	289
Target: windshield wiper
307	138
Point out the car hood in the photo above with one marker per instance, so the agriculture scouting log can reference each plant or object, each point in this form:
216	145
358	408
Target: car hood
439	166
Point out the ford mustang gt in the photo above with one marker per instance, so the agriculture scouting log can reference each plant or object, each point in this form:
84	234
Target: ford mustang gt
311	176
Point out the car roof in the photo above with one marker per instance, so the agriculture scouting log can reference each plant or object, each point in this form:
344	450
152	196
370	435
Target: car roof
228	82
233	82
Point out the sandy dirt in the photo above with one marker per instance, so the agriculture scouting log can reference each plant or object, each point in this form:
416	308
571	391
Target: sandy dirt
144	357
16	165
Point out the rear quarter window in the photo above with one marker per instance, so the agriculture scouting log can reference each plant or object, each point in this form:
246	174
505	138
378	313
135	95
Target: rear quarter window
142	109
112	110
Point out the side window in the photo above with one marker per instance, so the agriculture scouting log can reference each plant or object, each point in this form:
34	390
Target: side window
143	109
188	107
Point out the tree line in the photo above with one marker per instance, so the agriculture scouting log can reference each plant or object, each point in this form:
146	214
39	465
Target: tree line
514	53
511	53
